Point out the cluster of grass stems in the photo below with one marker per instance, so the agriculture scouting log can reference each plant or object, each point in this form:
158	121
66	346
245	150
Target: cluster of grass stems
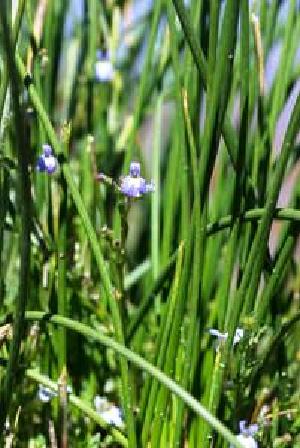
96	288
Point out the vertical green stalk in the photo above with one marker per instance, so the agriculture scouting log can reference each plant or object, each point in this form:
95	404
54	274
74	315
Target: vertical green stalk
4	199
184	366
270	25
213	36
140	98
224	290
140	362
218	99
187	366
286	60
104	275
200	61
148	300
25	213
258	249
163	345
155	202
62	260
174	338
91	56
262	303
63	410
5	74
192	39
170	195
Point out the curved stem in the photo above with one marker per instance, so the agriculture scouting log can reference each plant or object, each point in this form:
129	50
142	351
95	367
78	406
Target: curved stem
91	234
140	362
34	375
282	214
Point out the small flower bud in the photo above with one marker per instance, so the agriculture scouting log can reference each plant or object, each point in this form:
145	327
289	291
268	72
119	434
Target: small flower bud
47	161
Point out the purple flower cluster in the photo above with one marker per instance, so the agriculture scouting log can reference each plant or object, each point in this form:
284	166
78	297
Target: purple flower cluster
47	162
134	185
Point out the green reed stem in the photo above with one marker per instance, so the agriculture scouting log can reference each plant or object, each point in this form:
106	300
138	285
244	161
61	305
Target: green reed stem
218	96
155	199
108	287
261	305
256	214
185	367
62	263
140	99
258	250
281	214
276	339
136	274
150	393
15	34
148	301
140	362
286	60
214	8
25	228
201	63
87	410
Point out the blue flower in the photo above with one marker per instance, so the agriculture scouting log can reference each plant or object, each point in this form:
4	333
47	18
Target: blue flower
45	394
248	430
218	334
245	437
134	185
108	411
47	161
238	335
104	71
246	441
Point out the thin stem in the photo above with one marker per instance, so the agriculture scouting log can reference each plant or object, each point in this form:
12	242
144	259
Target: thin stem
275	280
218	96
281	333
15	33
253	215
140	362
155	200
154	400
78	404
259	246
143	82
201	63
282	214
62	263
148	301
25	213
107	284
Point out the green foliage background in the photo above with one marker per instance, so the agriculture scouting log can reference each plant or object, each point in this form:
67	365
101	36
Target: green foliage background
99	289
